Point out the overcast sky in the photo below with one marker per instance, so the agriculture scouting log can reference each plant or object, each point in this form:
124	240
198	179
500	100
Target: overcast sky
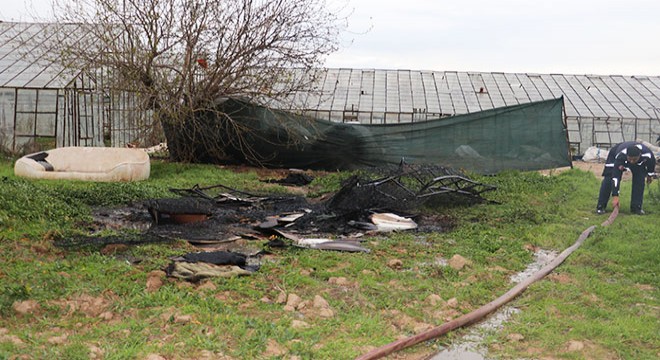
605	37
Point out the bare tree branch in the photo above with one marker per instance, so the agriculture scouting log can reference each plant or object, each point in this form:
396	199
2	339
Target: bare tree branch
180	56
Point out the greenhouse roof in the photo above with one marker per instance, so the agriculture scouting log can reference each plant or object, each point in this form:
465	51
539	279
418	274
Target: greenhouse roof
24	58
422	94
375	95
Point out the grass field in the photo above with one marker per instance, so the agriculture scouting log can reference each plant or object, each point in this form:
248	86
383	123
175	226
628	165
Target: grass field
90	303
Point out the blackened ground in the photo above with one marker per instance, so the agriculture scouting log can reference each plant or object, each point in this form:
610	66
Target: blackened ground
243	215
133	224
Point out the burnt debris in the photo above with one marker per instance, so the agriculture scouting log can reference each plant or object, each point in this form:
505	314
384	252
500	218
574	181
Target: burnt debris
219	214
405	188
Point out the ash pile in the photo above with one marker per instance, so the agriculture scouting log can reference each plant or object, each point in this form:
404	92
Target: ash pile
374	200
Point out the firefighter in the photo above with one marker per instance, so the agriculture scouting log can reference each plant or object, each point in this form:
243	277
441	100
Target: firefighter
624	156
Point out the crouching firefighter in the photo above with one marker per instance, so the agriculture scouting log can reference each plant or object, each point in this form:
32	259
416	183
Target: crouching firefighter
631	156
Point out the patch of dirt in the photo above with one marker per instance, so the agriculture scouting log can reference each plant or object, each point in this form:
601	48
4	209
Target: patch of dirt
595	168
87	305
561	278
269	173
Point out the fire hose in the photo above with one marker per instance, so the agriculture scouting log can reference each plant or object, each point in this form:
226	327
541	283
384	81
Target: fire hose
487	309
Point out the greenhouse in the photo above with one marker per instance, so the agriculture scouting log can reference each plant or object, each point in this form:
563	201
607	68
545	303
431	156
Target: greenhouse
43	105
599	110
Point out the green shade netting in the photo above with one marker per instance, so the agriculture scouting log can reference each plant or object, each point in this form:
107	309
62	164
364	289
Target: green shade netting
524	137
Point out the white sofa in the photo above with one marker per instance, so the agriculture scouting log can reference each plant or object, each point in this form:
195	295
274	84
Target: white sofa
85	163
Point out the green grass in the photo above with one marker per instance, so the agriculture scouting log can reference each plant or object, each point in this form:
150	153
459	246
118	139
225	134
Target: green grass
605	295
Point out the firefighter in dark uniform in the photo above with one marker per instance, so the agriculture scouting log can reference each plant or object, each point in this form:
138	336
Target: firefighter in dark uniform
631	156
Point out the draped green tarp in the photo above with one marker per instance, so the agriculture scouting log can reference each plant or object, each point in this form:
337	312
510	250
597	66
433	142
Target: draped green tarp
525	137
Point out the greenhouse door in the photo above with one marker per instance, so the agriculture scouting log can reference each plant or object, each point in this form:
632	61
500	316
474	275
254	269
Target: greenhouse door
83	118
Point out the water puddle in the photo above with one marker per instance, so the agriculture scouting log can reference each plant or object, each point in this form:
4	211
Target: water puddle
470	346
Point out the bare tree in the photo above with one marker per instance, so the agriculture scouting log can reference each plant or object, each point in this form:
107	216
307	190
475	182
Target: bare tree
180	56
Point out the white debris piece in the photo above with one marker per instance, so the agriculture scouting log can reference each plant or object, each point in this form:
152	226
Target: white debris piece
392	222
